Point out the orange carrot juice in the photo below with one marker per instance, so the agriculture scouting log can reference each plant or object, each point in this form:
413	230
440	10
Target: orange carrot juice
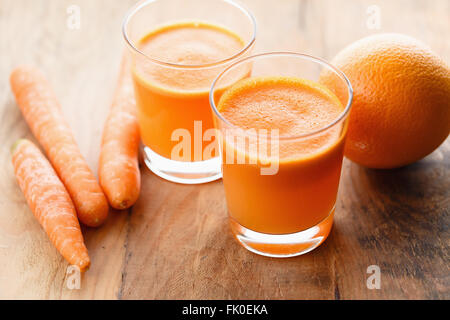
171	98
302	193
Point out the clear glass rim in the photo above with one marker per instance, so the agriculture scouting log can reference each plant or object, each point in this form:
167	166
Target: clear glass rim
320	61
143	3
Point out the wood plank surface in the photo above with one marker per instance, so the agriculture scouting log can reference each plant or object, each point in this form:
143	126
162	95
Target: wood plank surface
175	243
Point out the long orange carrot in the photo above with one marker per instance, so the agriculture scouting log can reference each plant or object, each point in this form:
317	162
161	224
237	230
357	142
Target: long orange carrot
43	114
118	167
50	202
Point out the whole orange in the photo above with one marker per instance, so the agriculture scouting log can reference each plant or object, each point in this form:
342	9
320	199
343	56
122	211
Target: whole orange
401	102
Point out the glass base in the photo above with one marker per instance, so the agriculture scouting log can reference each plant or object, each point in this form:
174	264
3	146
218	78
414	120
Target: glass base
283	245
183	172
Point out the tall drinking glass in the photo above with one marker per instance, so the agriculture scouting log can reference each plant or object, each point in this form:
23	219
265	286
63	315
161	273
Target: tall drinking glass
281	132
177	48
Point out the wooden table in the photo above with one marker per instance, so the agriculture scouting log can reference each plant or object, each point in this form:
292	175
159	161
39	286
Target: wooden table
175	243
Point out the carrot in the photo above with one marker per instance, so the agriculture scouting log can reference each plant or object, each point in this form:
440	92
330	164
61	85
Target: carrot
118	166
43	114
51	204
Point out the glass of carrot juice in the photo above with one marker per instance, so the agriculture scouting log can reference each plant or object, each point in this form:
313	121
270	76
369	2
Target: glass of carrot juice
176	49
281	132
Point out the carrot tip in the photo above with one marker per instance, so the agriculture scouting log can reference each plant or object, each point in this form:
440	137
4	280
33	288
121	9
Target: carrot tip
85	266
16	144
123	204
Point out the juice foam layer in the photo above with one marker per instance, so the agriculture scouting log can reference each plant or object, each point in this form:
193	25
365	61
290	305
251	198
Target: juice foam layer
293	106
187	44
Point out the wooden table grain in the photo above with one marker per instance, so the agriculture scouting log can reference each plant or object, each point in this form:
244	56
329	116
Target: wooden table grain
175	243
